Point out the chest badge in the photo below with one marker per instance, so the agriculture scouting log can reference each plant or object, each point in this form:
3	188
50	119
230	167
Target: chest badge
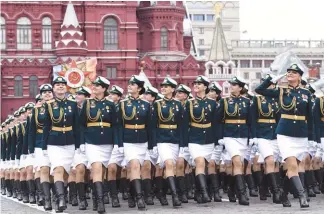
288	92
129	103
196	104
244	104
70	108
55	105
209	107
92	104
42	110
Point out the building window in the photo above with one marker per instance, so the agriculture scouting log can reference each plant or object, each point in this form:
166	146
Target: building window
164	39
256	63
110	34
111	72
258	75
221	69
245	63
317	63
47	33
267	63
24	34
3	33
201	30
177	71
210	70
201	41
230	69
18	86
199	17
210	17
246	76
306	62
159	72
201	52
33	86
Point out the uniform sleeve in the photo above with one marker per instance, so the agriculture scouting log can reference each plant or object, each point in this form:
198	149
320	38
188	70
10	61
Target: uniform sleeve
180	125
8	146
263	89
47	127
253	116
114	122
120	126
76	126
317	120
154	119
216	126
25	138
83	122
220	118
310	120
32	133
149	127
19	142
13	144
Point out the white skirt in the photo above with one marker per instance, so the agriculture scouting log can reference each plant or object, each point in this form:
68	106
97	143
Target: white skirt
79	158
30	160
61	156
236	146
185	154
135	151
22	162
153	158
168	151
117	158
292	146
98	153
41	160
205	151
217	154
226	158
268	148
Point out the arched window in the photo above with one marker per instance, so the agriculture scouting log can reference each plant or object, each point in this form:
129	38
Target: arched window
24	34
33	86
110	34
164	39
18	86
47	33
221	69
230	69
3	33
210	69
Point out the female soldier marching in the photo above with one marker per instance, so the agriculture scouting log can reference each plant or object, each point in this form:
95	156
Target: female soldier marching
295	125
98	121
61	136
134	129
168	127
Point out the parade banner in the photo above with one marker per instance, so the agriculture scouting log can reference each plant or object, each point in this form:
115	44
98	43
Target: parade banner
77	74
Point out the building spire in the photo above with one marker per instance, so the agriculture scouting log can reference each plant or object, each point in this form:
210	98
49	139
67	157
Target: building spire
219	50
70	17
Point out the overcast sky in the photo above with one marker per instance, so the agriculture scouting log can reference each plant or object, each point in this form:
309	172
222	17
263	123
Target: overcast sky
282	19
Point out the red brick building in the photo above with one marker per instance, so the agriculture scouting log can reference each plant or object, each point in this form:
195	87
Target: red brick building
35	35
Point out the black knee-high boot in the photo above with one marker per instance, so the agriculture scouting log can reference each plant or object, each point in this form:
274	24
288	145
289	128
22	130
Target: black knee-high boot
14	189
24	191
240	185
182	189
300	191
9	187
284	196
319	179
201	178
39	192
46	186
214	187
73	194
100	192
251	185
60	194
147	187
131	195
189	186
32	191
106	192
123	188
172	184
231	188
3	186
138	194
19	191
113	193
259	181
274	187
82	195
159	191
302	180
309	184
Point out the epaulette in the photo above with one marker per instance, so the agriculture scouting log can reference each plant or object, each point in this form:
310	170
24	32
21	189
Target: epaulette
306	89
50	101
70	99
158	100
191	99
144	100
283	86
124	100
246	98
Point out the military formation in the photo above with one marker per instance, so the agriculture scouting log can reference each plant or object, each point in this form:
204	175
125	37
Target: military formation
142	145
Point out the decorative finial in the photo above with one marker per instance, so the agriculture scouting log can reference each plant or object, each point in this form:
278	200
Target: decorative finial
218	7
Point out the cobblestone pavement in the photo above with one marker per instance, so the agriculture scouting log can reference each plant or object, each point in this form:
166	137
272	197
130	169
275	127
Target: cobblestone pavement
12	206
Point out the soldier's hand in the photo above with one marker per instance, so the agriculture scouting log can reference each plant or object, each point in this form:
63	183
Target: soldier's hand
45	153
82	148
121	150
277	78
155	150
221	142
77	151
181	150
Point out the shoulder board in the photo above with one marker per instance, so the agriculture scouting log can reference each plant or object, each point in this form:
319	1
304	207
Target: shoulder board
158	100
246	98
191	99
50	101
71	100
124	100
305	89
210	99
144	100
283	86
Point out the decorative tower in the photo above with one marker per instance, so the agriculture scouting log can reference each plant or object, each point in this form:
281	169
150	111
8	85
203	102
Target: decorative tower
71	41
219	66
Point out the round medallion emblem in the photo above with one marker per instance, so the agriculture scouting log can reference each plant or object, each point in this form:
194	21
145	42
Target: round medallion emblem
74	77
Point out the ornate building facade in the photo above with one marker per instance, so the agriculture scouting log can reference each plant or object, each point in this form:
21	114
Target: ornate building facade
36	35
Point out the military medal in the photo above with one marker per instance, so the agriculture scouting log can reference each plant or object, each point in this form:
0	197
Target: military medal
288	92
177	108
209	106
129	103
195	104
55	106
70	108
92	104
42	110
244	104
